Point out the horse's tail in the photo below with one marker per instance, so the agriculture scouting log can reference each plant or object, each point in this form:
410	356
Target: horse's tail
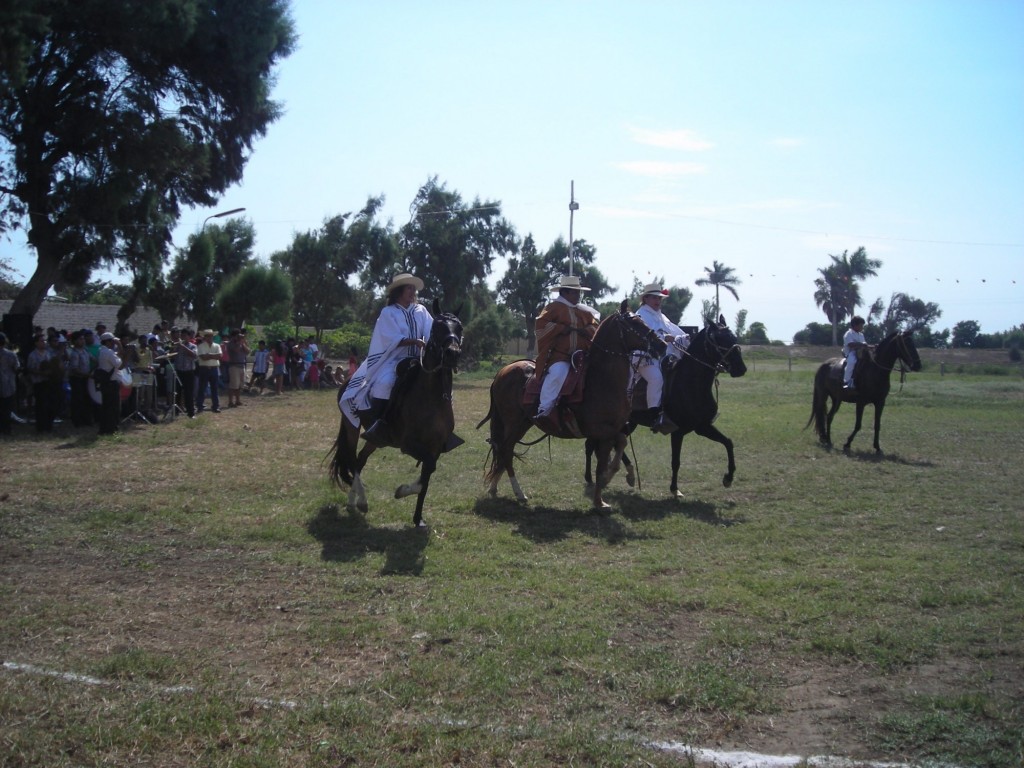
342	456
819	401
488	417
497	439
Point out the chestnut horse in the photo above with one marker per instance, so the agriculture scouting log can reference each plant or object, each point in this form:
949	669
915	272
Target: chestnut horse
690	397
600	415
871	379
420	419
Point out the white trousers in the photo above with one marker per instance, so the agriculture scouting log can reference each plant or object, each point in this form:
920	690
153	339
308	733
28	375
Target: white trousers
552	385
650	370
851	361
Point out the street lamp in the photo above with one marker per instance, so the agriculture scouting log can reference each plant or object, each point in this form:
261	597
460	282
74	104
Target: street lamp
220	215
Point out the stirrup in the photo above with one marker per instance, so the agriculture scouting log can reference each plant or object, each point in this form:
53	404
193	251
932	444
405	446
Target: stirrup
377	434
663	425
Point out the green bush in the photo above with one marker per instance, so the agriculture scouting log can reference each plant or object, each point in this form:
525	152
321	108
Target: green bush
338	343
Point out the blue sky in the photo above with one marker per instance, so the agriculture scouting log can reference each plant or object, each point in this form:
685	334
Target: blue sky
764	135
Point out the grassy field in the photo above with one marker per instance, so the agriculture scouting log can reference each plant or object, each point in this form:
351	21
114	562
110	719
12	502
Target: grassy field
196	593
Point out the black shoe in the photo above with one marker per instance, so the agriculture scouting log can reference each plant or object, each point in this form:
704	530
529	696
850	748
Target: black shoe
215	410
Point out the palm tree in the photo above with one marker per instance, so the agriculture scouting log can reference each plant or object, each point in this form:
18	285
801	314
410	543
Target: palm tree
837	291
720	275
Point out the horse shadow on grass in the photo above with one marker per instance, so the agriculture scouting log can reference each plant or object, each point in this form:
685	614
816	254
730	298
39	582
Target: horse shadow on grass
546	525
635	507
870	457
346	538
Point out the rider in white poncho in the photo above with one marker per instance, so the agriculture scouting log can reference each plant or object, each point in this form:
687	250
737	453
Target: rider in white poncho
650	368
401	331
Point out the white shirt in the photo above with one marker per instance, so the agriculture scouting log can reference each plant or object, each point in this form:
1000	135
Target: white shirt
852	337
662	326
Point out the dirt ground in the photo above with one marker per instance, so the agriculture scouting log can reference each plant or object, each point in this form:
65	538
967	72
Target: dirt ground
243	617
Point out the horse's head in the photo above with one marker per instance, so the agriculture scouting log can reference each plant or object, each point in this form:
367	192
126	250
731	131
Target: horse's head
633	333
444	346
906	350
718	347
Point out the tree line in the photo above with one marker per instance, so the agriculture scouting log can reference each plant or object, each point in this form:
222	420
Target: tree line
114	116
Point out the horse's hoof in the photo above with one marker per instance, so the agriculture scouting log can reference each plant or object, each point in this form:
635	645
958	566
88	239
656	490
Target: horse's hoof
588	490
631	481
363	508
421	527
727	481
677	494
603	506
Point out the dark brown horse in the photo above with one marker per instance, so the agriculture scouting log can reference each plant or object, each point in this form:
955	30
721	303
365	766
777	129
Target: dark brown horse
600	415
420	419
690	399
871	379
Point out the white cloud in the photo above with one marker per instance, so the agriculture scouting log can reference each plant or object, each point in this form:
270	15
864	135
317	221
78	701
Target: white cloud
683	139
661	170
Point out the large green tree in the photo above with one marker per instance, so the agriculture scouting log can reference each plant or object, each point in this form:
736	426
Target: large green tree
200	269
114	114
320	262
720	276
448	243
907	313
257	294
837	287
528	281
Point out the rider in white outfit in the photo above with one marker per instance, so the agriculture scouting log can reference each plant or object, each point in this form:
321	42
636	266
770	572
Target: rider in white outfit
650	368
401	331
853	340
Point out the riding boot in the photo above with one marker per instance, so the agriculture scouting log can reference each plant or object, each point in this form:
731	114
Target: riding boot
662	424
378	433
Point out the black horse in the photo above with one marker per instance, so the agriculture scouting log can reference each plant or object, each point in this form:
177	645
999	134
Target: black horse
690	399
420	418
871	381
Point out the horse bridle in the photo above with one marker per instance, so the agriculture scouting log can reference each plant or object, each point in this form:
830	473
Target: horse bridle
439	346
902	358
623	320
723	353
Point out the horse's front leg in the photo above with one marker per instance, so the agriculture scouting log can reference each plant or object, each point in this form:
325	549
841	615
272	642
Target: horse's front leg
856	426
712	433
588	477
878	426
677	447
604	449
420	489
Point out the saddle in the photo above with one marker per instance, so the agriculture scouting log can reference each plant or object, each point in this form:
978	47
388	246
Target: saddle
838	372
562	422
572	387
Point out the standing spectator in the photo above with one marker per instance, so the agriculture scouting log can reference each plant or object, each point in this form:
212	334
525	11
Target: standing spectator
80	365
260	364
279	360
41	366
209	370
237	353
110	388
313	374
185	355
9	365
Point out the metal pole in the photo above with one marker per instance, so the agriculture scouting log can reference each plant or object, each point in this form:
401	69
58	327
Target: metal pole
573	207
220	215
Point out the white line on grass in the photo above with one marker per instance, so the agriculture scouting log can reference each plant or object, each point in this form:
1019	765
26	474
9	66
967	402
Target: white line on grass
700	756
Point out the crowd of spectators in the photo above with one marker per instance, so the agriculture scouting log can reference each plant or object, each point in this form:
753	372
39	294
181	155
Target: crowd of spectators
89	377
